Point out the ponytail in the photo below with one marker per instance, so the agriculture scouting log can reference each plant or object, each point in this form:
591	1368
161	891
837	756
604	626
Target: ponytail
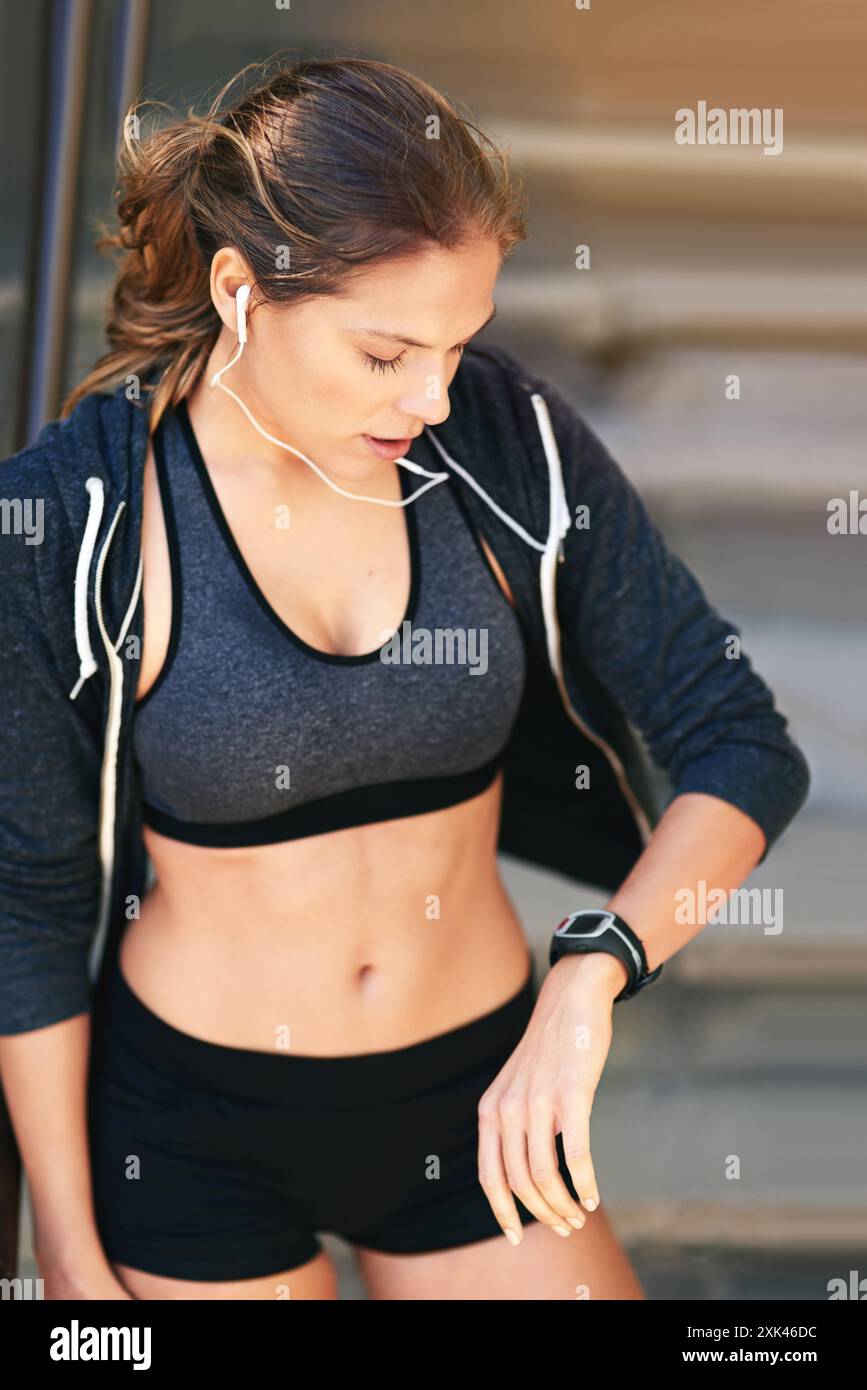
161	318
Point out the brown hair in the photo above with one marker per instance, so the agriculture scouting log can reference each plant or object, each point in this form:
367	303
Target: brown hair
321	168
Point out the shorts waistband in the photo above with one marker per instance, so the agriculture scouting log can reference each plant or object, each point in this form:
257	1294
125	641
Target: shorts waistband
298	1079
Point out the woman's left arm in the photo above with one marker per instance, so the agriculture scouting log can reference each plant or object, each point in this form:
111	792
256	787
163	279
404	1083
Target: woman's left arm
549	1082
634	616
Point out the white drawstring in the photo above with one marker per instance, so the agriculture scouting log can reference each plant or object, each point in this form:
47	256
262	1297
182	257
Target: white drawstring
87	664
108	774
558	524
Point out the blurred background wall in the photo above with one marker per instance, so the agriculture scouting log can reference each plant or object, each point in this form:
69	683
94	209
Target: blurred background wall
705	262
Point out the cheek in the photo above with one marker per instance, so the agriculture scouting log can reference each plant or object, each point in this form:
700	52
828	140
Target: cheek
338	401
365	400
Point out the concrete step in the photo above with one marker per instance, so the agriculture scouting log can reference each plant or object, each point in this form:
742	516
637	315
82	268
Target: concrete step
631	306
773	458
790	1231
638	167
710	1030
786	579
742	1273
801	1144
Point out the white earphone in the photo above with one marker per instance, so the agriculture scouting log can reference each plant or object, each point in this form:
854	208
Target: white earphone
241	296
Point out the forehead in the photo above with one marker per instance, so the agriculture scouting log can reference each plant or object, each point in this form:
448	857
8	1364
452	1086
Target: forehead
377	331
424	299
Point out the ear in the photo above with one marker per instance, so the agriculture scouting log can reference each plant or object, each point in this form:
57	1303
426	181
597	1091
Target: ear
231	284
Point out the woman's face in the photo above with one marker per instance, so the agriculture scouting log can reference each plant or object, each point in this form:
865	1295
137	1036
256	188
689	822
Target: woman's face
325	374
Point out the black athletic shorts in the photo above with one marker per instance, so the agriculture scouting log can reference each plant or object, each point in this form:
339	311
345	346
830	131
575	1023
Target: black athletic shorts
221	1163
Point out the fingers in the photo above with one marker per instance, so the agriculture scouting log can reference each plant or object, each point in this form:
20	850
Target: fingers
537	1172
492	1177
518	1154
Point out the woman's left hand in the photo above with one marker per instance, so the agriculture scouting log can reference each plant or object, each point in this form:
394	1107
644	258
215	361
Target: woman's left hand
547	1087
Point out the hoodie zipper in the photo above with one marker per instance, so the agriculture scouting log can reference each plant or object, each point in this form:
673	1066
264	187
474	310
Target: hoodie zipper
557	497
108	773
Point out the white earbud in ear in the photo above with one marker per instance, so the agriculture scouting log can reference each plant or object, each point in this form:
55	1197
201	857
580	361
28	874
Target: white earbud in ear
241	298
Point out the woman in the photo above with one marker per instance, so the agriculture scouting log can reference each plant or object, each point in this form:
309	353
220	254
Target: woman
316	1007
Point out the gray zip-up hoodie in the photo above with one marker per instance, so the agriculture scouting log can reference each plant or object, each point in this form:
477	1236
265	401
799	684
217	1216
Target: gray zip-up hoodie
623	644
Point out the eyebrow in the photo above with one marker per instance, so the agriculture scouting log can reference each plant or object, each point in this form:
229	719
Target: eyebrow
411	342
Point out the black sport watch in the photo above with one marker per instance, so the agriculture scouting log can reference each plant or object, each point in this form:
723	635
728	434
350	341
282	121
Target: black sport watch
597	929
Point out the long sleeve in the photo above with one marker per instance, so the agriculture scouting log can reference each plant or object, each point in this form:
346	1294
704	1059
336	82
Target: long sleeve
50	875
643	624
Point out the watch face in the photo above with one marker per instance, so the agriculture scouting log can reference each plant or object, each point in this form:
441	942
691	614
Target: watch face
583	923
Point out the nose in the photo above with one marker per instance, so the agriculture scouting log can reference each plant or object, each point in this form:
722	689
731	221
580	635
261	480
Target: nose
418	404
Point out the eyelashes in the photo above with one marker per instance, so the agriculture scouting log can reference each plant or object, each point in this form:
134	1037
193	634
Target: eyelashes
383	365
391	364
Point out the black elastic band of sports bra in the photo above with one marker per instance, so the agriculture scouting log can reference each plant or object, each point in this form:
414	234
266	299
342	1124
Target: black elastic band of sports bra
357	806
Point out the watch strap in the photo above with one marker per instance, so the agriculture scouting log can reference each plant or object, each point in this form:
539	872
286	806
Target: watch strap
606	931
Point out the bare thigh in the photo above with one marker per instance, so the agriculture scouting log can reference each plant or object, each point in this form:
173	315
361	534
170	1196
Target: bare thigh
587	1264
315	1279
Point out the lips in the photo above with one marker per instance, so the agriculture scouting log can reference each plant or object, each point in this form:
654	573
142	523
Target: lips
388	448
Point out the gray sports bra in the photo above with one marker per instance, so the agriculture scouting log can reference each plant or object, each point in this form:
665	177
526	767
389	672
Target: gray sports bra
250	736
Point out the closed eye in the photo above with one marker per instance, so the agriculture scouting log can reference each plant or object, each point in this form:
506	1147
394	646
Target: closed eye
384	364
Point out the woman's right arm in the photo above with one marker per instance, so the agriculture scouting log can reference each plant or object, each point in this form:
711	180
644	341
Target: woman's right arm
50	871
44	1076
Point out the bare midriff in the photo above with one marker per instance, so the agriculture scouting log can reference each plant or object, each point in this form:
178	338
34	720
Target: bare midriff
359	940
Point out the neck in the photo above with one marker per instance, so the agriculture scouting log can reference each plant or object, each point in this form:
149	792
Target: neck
219	419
